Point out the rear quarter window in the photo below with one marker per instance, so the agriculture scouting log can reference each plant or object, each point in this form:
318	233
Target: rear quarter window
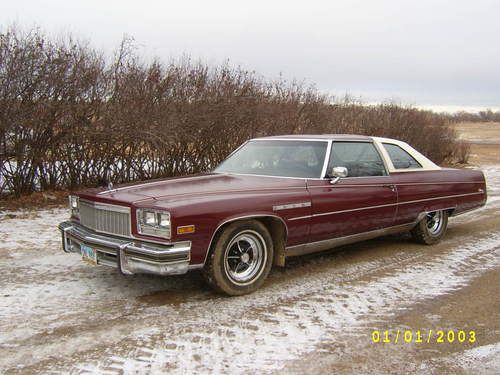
400	158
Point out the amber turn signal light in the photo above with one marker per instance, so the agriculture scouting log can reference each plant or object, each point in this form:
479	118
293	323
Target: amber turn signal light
185	229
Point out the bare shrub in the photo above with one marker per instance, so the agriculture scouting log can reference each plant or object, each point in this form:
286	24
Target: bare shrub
461	152
70	117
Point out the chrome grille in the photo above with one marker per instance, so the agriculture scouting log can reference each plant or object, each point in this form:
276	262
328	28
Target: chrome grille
105	218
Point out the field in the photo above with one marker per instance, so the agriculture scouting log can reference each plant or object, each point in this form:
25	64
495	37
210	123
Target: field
317	315
485	140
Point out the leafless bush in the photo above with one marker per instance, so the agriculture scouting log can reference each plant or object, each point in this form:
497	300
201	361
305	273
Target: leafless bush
71	118
461	152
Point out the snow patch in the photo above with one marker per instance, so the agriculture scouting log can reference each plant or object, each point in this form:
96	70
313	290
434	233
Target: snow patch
479	360
230	341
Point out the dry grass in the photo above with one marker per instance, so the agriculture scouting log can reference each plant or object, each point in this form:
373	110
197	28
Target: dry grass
35	200
479	131
484	141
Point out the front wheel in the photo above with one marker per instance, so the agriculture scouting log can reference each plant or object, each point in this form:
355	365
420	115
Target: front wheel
240	259
431	228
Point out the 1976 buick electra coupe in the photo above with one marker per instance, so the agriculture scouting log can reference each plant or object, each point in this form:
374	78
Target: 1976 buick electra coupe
272	198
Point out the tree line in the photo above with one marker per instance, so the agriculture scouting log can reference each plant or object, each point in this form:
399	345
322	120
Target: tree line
482	116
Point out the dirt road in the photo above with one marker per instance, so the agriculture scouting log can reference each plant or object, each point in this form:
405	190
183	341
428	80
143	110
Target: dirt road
60	315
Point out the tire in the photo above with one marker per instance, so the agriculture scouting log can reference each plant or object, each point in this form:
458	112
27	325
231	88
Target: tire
431	228
240	258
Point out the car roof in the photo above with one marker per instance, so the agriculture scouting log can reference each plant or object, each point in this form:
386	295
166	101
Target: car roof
341	137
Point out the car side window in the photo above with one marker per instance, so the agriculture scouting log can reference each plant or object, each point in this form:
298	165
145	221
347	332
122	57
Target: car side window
360	158
400	158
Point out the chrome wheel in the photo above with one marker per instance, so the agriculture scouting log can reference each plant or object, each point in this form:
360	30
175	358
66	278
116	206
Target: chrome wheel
245	257
435	222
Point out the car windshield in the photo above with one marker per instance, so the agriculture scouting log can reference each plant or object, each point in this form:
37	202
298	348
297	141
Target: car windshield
283	158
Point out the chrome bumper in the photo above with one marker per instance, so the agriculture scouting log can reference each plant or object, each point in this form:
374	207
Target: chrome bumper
130	256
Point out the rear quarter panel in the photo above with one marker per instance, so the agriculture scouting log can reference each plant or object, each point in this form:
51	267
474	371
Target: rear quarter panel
457	189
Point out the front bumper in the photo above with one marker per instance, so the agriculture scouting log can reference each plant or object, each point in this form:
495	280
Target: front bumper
130	256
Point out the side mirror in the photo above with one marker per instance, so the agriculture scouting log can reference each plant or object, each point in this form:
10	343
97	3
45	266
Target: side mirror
338	173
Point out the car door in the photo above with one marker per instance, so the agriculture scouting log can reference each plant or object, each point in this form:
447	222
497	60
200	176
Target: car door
364	201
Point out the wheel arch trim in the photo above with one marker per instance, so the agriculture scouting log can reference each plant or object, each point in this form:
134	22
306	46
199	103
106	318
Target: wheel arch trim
237	218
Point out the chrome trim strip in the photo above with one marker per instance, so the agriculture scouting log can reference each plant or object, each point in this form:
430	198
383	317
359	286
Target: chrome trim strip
394	183
435	183
265	175
327	159
330	243
356	178
291	205
436	198
277	138
178	249
300	218
240	218
380	206
313	247
350	210
107	206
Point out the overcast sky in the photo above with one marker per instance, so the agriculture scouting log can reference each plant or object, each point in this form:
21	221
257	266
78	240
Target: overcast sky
427	53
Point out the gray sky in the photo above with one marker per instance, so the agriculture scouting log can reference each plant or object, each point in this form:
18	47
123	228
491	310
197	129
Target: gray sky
442	54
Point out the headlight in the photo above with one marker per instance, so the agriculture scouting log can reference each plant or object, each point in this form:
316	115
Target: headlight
150	218
164	220
153	222
74	205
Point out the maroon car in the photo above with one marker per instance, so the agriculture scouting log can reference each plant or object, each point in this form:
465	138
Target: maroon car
272	198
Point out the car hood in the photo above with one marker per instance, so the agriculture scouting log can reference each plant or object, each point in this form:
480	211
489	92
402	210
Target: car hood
189	188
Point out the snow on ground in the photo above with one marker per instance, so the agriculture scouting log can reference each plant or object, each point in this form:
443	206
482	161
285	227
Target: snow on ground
22	231
479	360
488	355
321	310
492	174
45	290
317	309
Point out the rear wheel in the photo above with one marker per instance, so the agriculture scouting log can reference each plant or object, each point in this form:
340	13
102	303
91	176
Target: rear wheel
431	228
240	258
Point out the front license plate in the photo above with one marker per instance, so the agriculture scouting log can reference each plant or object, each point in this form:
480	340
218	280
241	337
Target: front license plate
88	254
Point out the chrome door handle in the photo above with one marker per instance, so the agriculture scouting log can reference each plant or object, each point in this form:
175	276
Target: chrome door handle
390	186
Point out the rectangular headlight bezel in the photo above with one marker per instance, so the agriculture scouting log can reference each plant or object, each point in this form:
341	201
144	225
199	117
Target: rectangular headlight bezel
154	227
